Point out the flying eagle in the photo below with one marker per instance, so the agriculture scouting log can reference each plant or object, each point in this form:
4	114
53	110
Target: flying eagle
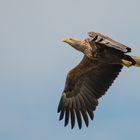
90	79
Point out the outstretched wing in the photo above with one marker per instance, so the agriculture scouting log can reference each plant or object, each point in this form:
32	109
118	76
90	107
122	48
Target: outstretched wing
84	85
108	42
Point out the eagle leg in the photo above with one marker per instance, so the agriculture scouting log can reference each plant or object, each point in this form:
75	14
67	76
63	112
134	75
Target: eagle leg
126	63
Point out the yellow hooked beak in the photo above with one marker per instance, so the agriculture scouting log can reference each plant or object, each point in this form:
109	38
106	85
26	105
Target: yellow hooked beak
66	40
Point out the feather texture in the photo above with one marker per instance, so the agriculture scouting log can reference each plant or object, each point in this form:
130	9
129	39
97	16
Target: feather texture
82	90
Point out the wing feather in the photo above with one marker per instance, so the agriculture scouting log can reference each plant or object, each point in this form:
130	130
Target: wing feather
79	118
108	42
66	116
90	113
72	118
61	115
82	90
85	117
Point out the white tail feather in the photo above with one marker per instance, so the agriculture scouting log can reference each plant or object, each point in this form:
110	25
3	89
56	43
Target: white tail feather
137	59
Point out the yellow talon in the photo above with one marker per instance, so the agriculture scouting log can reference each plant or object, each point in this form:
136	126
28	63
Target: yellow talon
126	63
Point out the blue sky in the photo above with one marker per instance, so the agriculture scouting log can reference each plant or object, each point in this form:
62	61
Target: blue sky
34	63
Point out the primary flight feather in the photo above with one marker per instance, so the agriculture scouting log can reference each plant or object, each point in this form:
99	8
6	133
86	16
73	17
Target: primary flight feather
87	82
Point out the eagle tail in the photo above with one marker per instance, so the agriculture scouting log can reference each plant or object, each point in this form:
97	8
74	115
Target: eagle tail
131	61
137	60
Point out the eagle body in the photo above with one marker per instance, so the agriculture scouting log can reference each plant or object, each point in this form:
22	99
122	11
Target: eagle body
90	79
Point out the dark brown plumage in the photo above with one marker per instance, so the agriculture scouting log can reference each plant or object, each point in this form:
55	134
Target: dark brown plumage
88	81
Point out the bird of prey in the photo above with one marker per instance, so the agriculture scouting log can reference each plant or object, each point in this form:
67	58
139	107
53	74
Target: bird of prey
90	79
